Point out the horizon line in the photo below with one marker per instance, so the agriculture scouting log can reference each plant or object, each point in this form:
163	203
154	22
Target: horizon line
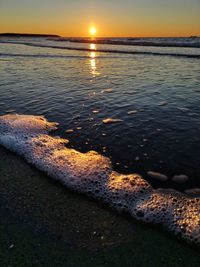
57	35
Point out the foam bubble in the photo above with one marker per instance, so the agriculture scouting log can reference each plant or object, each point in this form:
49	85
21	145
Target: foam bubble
92	174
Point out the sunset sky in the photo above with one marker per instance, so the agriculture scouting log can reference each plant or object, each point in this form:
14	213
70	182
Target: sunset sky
110	17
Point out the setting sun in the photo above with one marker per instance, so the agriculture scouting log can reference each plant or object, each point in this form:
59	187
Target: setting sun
93	31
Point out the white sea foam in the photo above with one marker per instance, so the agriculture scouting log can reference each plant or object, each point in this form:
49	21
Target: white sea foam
92	174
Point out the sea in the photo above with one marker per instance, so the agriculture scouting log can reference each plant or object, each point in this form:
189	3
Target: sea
133	100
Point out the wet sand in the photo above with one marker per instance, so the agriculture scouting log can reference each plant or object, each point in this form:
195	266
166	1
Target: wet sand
44	224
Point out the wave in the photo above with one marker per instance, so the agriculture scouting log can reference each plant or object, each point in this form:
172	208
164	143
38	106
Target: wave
158	42
40	56
92	174
107	50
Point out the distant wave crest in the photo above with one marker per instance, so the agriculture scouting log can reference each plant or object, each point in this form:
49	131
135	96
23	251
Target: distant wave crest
40	55
117	51
193	42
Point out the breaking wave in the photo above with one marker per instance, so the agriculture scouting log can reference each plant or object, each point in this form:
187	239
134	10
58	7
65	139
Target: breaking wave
41	55
92	174
187	42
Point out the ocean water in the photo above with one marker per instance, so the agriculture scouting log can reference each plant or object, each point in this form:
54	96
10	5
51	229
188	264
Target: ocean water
152	90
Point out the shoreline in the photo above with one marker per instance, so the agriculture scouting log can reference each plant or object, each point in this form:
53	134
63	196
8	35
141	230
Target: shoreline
44	222
28	35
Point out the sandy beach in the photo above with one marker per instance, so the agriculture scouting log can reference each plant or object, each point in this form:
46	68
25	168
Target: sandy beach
44	224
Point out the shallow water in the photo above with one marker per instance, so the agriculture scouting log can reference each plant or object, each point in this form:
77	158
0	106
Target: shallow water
156	97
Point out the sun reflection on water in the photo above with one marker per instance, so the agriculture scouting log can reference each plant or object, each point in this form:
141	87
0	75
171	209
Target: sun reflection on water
93	61
92	46
93	64
93	57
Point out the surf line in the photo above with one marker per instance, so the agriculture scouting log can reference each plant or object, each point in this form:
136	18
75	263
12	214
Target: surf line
106	50
92	174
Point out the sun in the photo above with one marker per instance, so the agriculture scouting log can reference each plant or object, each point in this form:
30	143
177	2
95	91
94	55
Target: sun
93	31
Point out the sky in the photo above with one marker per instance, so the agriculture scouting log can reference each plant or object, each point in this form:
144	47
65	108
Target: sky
112	18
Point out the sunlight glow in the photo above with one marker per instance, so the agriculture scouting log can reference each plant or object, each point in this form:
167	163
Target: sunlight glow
93	31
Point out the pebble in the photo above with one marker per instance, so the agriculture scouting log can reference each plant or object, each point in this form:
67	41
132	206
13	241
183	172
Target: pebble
183	109
132	112
163	103
107	91
180	178
109	120
69	131
193	191
157	176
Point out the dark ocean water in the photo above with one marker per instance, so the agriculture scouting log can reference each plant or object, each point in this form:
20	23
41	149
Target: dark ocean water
155	94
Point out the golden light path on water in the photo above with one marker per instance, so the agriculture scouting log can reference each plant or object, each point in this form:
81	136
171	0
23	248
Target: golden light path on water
92	46
93	60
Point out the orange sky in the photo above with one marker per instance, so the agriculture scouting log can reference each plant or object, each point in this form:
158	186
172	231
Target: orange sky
111	18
